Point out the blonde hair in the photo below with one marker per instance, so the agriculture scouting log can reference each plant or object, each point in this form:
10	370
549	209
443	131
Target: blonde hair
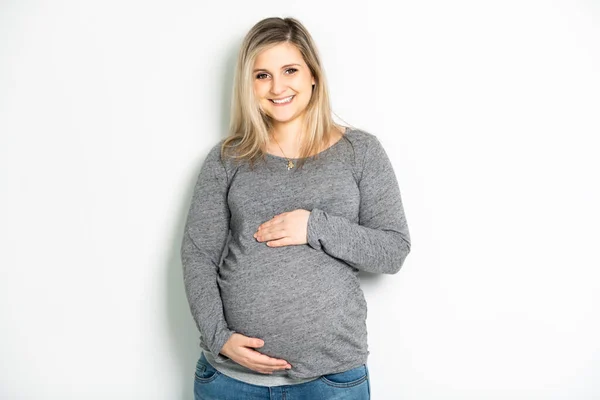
249	126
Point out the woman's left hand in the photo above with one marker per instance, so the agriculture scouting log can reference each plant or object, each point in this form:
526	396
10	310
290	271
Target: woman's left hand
288	228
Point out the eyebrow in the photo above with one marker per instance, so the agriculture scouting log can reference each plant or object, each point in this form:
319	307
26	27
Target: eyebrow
285	66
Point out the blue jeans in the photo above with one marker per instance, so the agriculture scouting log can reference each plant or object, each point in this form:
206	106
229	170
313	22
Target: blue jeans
210	384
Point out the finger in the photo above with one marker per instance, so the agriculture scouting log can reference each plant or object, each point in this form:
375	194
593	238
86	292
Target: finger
271	369
275	220
271	234
253	342
268	365
265	361
279	242
260	362
255	356
266	224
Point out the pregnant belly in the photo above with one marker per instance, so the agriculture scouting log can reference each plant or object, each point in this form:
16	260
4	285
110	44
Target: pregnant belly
292	306
278	301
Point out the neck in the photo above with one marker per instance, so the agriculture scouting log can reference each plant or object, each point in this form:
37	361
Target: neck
289	134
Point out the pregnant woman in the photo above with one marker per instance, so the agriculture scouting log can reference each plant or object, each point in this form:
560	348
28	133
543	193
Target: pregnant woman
285	212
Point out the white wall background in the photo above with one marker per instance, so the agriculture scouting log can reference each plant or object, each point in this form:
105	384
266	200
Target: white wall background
489	111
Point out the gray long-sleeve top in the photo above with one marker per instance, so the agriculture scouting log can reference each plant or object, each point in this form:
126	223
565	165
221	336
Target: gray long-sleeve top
303	301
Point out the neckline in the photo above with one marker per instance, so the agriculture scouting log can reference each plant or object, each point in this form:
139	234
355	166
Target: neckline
348	130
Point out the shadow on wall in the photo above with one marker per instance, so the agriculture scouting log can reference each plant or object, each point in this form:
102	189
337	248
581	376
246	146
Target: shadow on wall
185	338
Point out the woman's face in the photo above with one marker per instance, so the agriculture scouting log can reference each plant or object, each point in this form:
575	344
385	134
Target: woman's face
282	83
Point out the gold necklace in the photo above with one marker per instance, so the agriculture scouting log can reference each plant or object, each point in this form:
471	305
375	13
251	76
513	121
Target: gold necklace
290	164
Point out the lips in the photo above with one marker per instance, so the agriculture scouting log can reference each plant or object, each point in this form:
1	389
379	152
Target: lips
283	100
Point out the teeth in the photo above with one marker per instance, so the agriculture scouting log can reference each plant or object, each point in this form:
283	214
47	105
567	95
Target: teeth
286	100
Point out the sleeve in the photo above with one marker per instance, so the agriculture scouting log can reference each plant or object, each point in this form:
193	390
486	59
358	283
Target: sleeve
205	235
380	242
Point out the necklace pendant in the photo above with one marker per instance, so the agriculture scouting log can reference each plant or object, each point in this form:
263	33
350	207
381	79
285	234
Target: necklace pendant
290	165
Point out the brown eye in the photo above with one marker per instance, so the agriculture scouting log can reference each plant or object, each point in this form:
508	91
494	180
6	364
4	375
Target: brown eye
261	75
291	71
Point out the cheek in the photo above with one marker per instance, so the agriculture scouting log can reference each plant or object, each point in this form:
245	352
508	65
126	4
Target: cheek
303	85
259	90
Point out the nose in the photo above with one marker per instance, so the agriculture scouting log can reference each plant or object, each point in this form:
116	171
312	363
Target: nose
277	86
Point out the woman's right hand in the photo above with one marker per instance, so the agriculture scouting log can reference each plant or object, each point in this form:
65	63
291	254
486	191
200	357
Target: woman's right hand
239	348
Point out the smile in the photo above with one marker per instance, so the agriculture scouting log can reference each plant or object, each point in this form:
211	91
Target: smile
283	101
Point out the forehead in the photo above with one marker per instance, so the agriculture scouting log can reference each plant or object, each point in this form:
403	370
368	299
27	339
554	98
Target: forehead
278	55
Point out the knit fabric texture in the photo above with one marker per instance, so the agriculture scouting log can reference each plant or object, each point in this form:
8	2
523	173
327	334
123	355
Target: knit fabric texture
304	301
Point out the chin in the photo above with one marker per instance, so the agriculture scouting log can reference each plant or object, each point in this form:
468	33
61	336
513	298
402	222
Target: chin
283	118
